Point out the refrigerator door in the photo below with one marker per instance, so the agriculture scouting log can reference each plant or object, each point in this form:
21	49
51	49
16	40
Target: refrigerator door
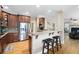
23	32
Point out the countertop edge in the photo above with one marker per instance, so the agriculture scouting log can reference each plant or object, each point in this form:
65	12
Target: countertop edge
3	35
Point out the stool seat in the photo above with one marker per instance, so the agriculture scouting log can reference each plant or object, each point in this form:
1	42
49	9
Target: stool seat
56	37
47	40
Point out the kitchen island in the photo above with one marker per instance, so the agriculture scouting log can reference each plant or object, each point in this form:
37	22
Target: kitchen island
37	38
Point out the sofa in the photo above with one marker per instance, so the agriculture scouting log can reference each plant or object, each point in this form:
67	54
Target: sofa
74	34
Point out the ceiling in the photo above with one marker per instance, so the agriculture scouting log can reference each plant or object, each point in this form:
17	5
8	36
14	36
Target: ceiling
48	11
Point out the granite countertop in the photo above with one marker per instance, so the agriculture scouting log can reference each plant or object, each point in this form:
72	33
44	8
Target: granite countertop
9	31
41	33
1	36
37	34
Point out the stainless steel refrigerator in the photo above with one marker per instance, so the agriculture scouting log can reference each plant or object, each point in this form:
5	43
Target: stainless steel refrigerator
23	31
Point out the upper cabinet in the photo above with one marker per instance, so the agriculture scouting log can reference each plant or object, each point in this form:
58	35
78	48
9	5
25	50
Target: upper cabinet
4	20
0	15
0	12
24	19
12	21
7	20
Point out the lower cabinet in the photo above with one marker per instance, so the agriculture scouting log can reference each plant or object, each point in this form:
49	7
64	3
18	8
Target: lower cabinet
12	38
8	38
0	47
3	43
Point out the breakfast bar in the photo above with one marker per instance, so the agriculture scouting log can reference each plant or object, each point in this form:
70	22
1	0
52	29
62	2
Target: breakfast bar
37	43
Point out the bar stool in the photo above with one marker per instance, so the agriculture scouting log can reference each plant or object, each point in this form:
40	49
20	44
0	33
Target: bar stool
47	43
57	40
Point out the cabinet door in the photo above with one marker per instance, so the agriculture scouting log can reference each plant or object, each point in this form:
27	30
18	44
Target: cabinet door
0	47
3	43
5	19
0	15
27	19
12	37
12	21
20	19
24	19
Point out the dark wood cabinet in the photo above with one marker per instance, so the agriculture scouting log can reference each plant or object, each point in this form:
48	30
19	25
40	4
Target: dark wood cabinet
3	22
3	42
0	47
8	38
12	21
8	20
13	37
24	19
4	19
0	15
0	12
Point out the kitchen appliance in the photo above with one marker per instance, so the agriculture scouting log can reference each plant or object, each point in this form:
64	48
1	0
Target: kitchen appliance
23	31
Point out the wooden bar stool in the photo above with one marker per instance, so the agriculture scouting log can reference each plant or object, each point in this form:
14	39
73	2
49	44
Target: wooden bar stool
47	43
57	40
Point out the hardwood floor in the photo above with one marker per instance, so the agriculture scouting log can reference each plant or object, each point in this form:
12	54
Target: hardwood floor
70	46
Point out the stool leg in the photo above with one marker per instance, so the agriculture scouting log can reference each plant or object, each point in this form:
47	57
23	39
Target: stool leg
60	42
57	44
53	47
43	48
47	48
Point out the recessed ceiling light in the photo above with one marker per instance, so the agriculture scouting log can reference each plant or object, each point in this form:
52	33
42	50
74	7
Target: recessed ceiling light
49	10
77	6
5	7
27	13
37	6
41	15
